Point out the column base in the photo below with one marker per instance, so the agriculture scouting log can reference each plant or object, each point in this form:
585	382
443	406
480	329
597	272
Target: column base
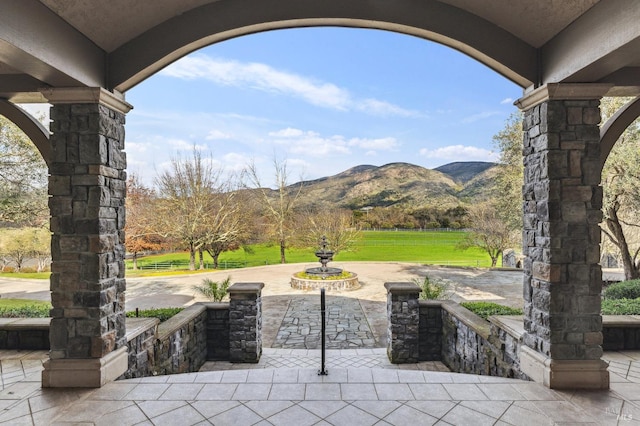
564	374
85	373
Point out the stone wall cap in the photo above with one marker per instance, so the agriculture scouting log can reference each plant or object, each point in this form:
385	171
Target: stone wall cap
137	326
402	287
26	324
246	287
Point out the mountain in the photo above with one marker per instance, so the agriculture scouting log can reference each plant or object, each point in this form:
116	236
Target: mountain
464	171
401	184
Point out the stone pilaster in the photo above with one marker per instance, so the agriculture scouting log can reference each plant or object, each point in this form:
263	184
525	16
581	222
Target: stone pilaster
87	189
245	322
403	314
561	237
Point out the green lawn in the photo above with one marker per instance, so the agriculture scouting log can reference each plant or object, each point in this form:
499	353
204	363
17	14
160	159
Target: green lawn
29	275
433	247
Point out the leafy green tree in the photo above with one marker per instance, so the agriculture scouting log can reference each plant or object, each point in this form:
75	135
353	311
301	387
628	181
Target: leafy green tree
510	173
19	245
621	188
488	231
23	179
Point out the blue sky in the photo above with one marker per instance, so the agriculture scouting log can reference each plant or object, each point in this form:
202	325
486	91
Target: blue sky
324	99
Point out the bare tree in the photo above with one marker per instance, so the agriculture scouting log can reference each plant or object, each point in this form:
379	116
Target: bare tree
227	225
279	204
487	231
335	224
141	230
185	200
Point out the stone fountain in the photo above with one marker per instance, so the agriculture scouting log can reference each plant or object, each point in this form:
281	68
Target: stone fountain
324	276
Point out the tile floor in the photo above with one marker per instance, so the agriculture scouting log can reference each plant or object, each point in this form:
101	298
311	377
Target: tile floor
348	395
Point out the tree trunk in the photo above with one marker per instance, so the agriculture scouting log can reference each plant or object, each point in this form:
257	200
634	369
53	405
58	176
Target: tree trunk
201	255
282	254
613	223
215	260
192	257
135	260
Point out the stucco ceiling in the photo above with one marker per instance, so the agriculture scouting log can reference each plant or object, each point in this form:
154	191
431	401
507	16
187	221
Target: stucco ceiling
109	24
116	44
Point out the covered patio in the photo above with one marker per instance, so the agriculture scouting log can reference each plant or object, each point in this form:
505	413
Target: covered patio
82	58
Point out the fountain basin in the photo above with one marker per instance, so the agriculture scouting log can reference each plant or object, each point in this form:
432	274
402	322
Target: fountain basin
302	281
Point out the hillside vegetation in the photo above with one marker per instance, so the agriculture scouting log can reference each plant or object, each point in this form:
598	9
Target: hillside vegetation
402	185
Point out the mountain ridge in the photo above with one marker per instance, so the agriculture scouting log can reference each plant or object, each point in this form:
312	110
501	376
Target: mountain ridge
400	184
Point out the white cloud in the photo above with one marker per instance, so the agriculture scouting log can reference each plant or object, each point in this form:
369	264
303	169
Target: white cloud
384	144
216	134
459	153
316	145
480	116
182	145
506	101
287	133
382	108
139	147
370	153
235	161
268	79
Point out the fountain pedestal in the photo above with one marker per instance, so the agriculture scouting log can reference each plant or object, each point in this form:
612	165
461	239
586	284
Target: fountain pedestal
324	276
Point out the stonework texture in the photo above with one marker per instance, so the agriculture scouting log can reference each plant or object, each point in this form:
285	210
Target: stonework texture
561	237
430	339
472	345
217	331
403	314
87	188
245	322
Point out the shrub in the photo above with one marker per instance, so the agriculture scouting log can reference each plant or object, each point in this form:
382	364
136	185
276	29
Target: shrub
213	290
40	310
162	314
621	307
486	309
623	290
433	288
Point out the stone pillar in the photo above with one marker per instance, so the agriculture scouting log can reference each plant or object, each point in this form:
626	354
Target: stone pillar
87	189
561	237
245	322
403	315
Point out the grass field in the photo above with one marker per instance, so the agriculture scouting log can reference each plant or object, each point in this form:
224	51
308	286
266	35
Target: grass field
432	247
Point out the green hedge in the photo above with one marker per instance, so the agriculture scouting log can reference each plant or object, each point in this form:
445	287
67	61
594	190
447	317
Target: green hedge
27	311
621	307
486	309
162	314
623	290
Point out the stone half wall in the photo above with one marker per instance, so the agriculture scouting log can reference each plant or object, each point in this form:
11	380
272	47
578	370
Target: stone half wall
181	344
466	343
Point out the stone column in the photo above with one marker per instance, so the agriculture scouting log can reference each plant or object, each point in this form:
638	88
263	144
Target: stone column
87	189
245	322
403	315
561	237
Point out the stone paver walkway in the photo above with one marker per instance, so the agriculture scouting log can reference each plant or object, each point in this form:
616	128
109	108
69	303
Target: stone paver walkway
346	325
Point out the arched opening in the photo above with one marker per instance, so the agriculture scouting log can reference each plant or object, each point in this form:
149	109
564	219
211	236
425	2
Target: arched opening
155	98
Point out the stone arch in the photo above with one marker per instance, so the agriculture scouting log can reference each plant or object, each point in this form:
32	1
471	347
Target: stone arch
615	126
156	48
34	130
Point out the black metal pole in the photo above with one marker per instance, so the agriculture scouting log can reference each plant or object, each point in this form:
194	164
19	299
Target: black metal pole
322	371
